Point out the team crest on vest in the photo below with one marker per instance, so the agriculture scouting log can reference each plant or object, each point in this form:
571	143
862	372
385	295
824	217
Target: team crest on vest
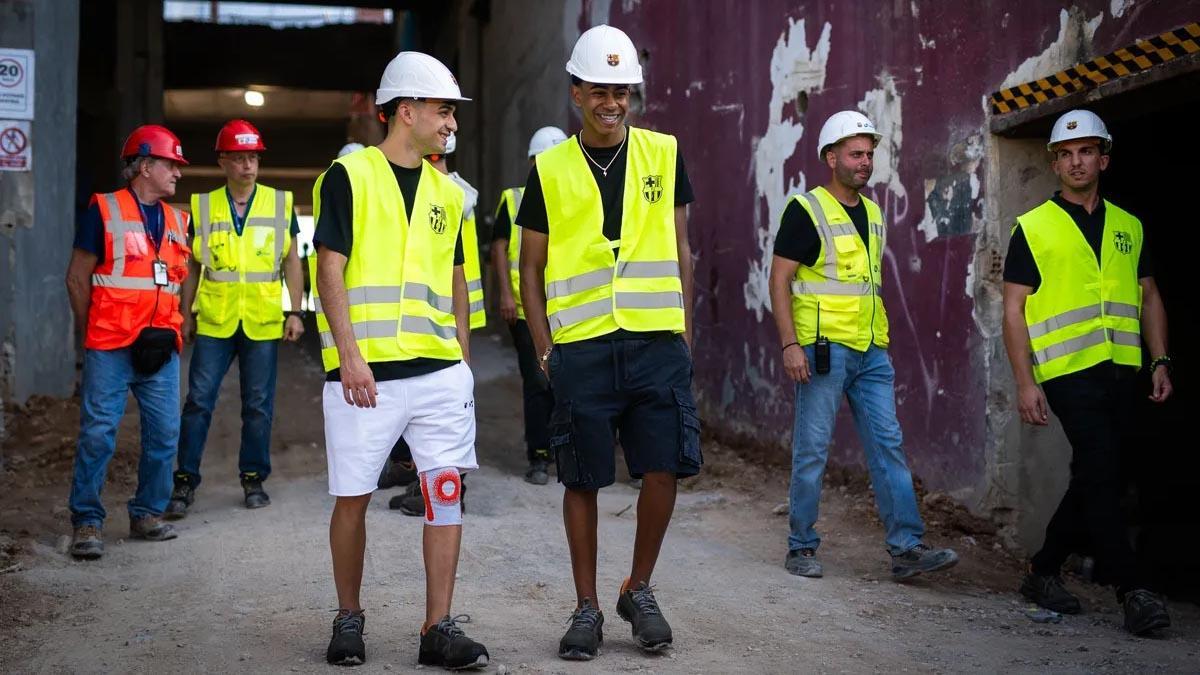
437	218
652	188
1123	242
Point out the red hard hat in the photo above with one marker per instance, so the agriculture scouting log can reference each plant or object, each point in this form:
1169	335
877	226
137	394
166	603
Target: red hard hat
152	140
239	136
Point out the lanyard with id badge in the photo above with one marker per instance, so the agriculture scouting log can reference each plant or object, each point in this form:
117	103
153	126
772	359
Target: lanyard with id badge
159	265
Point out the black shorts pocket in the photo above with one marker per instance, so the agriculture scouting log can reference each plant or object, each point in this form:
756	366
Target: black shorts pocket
562	444
690	456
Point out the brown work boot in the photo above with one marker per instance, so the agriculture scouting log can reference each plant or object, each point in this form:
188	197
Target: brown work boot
151	528
86	543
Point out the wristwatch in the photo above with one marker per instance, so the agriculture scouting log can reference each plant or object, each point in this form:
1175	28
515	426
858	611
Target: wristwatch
297	313
546	354
1163	360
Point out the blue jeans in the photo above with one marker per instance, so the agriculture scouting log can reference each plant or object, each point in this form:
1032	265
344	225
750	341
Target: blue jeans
257	365
108	376
867	380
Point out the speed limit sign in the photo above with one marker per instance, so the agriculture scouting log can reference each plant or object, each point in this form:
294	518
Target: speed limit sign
16	83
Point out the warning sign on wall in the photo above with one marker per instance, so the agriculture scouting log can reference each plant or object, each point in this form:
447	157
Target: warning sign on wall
16	83
16	147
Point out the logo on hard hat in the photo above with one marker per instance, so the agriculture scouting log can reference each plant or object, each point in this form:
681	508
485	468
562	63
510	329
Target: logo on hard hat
246	139
614	60
437	218
1072	124
1123	242
179	150
652	188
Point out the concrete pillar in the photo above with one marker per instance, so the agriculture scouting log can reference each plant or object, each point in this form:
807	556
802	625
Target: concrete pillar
37	353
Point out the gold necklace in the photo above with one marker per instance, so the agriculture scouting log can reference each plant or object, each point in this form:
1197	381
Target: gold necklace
603	169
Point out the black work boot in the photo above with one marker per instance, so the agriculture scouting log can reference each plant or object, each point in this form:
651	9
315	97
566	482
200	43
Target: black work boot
151	528
920	559
256	497
411	502
181	498
539	468
1145	612
346	647
1049	592
446	645
397	474
639	607
585	635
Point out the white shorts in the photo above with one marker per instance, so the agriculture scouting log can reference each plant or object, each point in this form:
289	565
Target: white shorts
435	413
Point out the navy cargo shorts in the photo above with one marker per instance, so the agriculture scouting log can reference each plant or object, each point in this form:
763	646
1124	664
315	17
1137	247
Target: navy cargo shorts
636	391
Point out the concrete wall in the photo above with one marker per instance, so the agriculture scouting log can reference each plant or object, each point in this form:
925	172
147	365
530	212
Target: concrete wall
745	87
36	209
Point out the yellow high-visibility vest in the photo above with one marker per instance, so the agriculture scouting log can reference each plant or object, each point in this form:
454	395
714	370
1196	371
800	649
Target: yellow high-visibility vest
241	273
1084	312
839	295
473	271
591	292
511	200
400	274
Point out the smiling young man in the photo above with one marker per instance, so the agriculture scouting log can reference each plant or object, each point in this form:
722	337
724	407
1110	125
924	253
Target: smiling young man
606	283
393	314
243	235
1079	296
833	331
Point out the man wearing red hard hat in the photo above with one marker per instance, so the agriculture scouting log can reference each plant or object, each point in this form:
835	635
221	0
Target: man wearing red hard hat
243	238
128	265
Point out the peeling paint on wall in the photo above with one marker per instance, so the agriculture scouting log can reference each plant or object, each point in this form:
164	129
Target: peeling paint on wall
952	205
796	71
1119	7
1073	45
882	106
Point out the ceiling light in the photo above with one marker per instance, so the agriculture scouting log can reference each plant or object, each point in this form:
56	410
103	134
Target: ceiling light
254	98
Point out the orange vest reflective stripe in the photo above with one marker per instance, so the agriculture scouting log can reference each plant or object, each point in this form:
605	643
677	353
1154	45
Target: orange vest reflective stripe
125	298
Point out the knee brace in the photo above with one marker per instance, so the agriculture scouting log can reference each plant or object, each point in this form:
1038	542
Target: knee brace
442	489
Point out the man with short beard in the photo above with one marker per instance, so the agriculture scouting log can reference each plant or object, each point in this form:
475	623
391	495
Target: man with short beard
825	294
392	309
129	260
606	283
1079	295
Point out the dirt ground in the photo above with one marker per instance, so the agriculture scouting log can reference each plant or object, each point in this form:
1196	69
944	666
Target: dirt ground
252	591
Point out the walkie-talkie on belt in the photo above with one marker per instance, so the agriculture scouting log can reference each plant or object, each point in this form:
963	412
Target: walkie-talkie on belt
820	348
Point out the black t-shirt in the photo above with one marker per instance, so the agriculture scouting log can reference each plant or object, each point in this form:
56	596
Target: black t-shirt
612	194
502	228
798	239
1021	268
335	231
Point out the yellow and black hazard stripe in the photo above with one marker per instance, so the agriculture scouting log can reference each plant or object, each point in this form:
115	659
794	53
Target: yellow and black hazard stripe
1141	55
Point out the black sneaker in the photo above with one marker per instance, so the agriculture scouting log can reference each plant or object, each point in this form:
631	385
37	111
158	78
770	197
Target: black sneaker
584	637
1145	612
256	497
346	647
397	474
411	502
446	645
538	472
920	559
1049	592
650	630
181	498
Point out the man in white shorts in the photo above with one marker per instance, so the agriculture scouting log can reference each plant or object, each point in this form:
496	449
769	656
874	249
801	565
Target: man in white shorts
392	311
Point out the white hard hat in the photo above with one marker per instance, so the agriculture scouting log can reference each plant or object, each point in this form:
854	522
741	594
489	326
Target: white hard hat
843	125
1079	124
605	55
417	75
544	139
451	143
349	148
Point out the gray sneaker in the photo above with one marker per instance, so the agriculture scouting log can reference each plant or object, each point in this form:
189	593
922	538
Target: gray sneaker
803	563
86	543
151	528
920	559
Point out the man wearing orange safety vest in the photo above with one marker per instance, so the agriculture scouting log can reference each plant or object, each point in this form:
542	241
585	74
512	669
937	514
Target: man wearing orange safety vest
129	262
1079	298
244	239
